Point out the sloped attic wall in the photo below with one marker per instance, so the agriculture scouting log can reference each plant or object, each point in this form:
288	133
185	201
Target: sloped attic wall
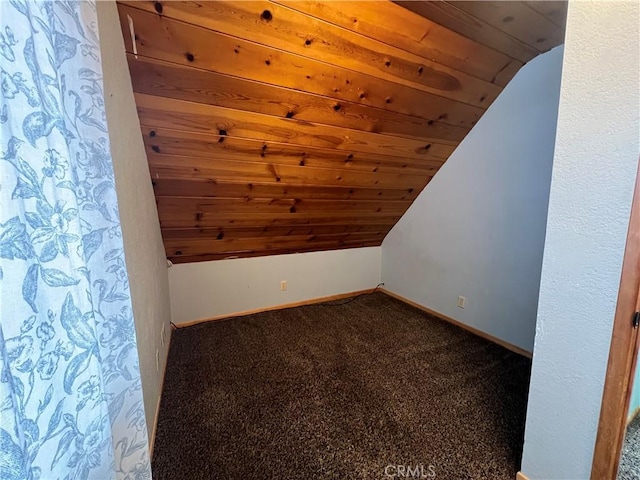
478	228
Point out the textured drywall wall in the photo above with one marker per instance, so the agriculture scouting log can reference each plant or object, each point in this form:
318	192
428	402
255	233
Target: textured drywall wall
210	289
592	184
477	229
144	252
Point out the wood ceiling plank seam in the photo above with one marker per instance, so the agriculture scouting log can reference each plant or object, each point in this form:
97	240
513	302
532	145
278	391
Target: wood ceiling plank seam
441	153
300	223
427	150
288	225
175	243
257	185
302	106
393	65
283	206
290	180
282	230
202	219
409	168
217	163
181	139
392	194
297	178
245	232
283	202
508	72
339	222
270	237
261	243
234	255
224	224
150	101
457	120
211	207
415	44
394	47
505	17
207	188
210	220
196	245
210	210
304	197
183	115
446	14
254	220
215	247
225	220
216	160
348	79
557	14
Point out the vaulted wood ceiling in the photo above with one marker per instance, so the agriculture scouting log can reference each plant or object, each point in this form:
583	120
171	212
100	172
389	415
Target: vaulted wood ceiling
293	126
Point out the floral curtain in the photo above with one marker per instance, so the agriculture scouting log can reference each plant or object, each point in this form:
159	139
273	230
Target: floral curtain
70	392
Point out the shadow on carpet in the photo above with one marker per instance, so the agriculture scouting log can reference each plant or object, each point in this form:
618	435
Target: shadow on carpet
361	390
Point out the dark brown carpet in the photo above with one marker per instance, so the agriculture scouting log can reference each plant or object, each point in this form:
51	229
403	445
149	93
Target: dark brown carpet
629	468
339	392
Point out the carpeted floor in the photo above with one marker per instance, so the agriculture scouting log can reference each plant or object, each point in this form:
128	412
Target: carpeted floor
629	468
340	392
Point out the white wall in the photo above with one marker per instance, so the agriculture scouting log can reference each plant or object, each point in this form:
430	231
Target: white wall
144	252
477	229
210	289
594	171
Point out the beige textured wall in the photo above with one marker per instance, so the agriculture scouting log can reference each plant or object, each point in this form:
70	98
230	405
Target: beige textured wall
144	251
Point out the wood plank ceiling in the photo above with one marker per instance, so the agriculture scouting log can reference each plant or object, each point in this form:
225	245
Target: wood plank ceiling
293	126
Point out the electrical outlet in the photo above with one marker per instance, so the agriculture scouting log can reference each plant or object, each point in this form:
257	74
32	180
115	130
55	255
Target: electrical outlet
283	285
158	360
462	301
